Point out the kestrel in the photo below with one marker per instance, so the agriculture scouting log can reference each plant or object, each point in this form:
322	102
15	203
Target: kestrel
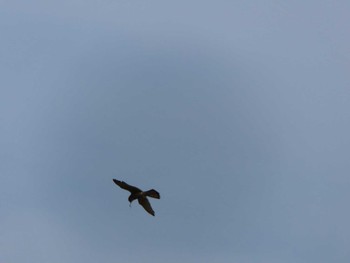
140	195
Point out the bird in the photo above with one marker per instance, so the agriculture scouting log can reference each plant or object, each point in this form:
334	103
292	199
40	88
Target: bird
140	195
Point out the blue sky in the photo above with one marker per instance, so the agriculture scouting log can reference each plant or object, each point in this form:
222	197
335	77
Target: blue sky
236	112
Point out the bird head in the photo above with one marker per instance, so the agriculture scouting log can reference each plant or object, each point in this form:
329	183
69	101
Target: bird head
131	198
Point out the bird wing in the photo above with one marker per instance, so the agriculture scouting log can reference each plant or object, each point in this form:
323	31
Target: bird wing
146	205
152	193
126	186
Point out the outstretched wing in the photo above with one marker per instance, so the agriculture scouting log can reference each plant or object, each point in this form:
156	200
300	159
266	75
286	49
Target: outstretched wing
153	193
126	186
146	205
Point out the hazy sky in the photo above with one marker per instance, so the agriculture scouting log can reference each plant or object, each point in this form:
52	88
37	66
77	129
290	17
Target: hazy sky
237	112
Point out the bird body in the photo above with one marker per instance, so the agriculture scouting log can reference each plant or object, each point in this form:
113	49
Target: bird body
141	196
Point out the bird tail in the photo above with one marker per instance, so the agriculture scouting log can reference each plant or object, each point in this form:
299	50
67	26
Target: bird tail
152	193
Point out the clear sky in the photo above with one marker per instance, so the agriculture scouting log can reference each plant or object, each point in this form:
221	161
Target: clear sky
237	112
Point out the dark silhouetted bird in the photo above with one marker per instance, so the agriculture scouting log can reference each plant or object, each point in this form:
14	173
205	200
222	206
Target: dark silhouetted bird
138	194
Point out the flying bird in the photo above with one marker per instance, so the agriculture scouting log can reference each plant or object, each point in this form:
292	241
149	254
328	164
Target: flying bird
140	195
